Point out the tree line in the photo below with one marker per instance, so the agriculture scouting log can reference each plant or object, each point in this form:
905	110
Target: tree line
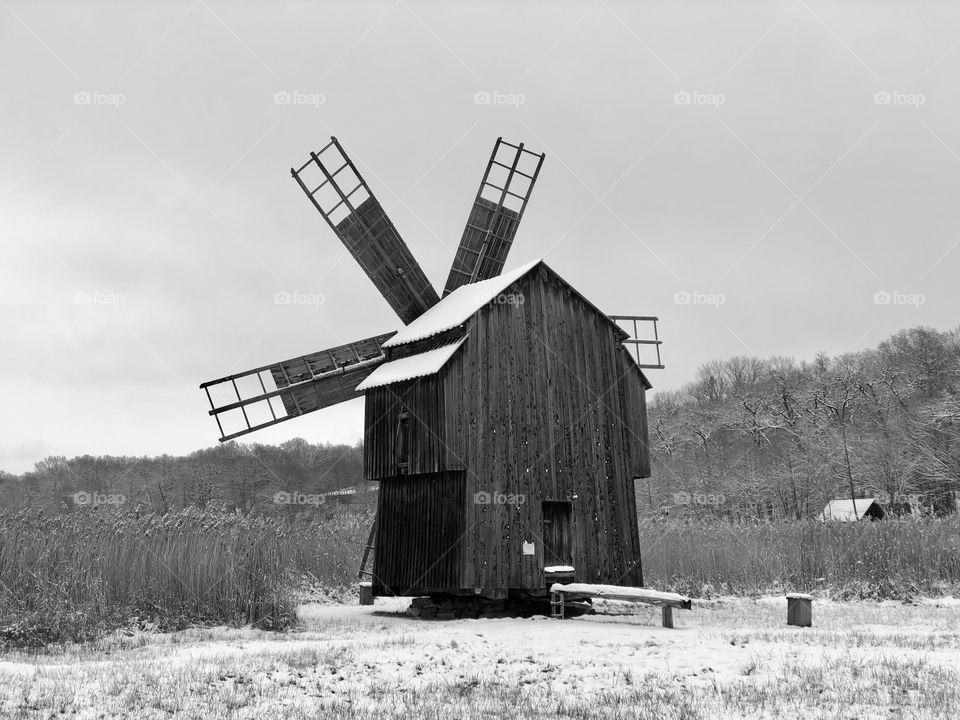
232	476
751	438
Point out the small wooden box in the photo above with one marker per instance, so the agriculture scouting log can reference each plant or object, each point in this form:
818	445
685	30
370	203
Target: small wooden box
366	593
800	609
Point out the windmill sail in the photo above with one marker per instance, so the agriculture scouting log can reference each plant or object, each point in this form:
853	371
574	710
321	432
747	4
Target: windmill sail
495	215
272	394
634	339
350	208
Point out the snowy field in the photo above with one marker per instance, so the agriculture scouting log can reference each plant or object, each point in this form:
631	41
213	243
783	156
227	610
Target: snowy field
726	658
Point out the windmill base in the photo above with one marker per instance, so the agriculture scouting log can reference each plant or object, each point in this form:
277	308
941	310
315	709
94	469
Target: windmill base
457	607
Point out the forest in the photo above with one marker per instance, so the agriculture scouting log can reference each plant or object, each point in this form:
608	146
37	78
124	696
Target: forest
777	438
232	476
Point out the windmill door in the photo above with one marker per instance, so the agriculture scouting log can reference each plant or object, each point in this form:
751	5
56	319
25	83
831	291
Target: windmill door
557	537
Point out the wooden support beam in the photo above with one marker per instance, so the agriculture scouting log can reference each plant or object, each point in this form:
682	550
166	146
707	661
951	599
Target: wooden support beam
667	616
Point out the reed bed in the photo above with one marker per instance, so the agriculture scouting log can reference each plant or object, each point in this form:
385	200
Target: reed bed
71	576
885	559
326	553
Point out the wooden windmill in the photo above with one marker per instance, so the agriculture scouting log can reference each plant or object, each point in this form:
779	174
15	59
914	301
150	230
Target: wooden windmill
505	422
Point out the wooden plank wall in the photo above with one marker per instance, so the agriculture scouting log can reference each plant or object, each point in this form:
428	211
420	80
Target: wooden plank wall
423	399
536	408
633	398
409	297
308	367
419	531
475	233
325	392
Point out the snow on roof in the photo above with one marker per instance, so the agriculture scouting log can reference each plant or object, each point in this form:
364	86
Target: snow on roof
843	509
457	307
412	366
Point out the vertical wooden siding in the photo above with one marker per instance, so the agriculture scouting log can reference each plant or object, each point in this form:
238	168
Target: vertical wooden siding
423	400
633	399
542	406
420	525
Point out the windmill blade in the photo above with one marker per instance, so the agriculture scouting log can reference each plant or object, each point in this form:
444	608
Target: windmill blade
496	213
273	394
634	339
350	208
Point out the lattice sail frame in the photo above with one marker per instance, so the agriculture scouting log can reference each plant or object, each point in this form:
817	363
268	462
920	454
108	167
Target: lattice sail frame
302	385
349	207
637	341
495	215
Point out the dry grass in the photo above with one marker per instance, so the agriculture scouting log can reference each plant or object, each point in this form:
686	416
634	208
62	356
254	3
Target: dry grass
326	552
888	559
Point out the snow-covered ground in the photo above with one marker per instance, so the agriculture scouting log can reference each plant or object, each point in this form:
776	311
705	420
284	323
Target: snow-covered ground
726	658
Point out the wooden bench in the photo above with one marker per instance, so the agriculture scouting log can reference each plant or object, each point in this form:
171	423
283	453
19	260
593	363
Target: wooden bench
560	593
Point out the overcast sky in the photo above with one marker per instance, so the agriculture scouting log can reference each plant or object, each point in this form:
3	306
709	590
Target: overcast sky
728	167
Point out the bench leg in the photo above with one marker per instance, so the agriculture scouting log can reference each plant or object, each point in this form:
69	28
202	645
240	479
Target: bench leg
667	616
557	602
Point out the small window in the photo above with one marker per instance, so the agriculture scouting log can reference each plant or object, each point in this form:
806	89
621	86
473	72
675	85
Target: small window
403	443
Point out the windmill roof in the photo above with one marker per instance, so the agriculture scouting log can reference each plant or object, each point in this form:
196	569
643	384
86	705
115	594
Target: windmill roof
412	366
457	307
843	509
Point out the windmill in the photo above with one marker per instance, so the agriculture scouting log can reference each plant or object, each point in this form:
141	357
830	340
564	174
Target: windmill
505	422
281	391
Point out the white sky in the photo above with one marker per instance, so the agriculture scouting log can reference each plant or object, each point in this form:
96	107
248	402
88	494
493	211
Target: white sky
796	199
